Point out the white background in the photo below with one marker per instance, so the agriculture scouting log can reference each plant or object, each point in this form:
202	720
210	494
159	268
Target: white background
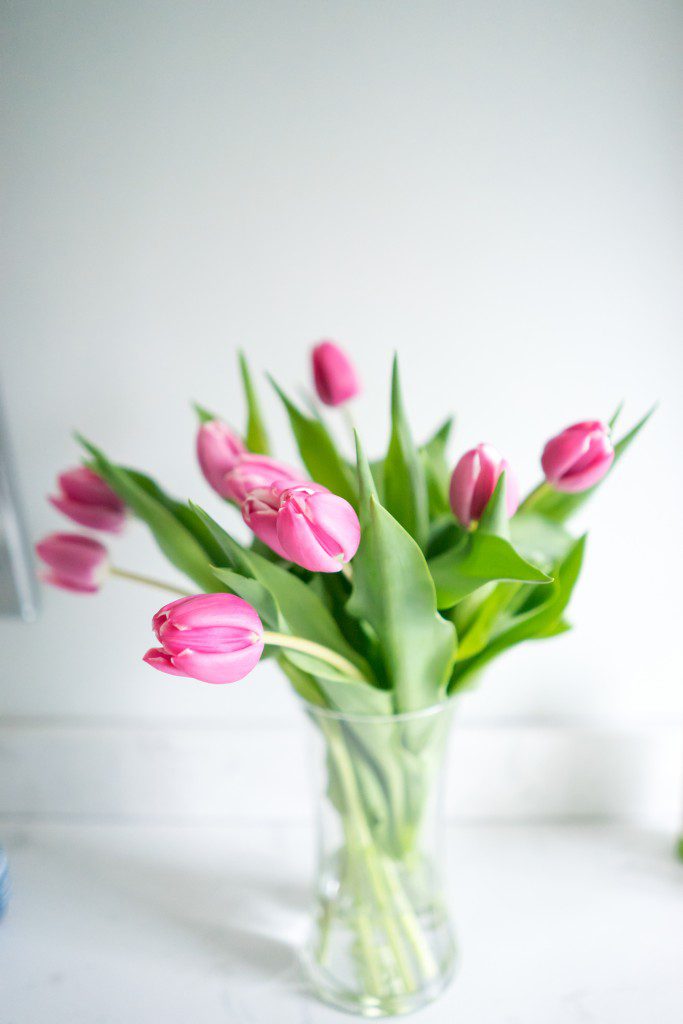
491	189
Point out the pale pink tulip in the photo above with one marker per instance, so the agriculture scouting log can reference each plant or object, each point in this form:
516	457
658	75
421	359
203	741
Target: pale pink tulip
218	449
216	638
578	457
335	377
474	480
75	562
252	472
89	501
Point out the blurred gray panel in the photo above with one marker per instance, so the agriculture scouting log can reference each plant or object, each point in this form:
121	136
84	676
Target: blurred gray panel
18	588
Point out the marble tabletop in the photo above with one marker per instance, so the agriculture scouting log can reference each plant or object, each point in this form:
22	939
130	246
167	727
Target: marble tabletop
141	924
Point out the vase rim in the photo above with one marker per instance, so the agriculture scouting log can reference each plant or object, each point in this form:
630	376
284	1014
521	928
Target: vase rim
357	716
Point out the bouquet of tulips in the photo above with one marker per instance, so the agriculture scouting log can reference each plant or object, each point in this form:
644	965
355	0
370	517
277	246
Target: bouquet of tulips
382	587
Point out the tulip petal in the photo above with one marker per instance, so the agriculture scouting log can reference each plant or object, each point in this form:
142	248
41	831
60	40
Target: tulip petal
219	668
93	517
159	659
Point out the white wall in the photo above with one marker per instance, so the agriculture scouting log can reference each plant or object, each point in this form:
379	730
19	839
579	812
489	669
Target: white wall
493	189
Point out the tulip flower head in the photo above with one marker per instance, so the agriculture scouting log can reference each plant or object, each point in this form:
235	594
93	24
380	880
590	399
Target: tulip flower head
89	501
579	457
216	638
304	523
75	562
334	375
474	480
252	472
218	450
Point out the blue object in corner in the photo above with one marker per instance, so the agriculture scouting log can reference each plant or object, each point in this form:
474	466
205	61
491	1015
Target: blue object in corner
4	882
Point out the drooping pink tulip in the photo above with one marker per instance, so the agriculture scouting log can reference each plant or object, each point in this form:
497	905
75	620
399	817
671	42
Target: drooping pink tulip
218	449
305	524
578	457
75	562
89	501
474	480
251	472
216	638
336	380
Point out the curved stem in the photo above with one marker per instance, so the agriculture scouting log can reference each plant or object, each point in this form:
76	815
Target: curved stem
533	497
149	581
297	643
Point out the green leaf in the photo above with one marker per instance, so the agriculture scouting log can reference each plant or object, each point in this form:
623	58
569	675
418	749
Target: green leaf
479	559
437	469
542	621
559	506
255	593
203	414
319	452
405	484
256	437
394	593
494	519
541	541
181	511
173	537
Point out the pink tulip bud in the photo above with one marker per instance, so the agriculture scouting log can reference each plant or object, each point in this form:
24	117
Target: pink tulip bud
335	378
578	457
474	480
216	638
252	472
218	449
304	523
75	562
89	501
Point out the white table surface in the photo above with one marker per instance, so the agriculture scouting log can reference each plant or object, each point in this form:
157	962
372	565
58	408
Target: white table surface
113	924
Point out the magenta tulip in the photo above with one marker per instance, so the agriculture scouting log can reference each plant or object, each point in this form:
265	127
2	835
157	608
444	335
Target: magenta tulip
578	457
218	449
216	638
252	472
474	480
89	501
305	524
335	378
75	562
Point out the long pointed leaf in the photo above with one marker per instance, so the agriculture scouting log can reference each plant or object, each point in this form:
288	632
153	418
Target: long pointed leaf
256	436
405	484
318	451
394	593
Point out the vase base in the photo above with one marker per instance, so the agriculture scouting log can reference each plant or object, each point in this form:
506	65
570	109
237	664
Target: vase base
327	989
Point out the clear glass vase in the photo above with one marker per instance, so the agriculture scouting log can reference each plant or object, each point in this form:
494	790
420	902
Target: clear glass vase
381	942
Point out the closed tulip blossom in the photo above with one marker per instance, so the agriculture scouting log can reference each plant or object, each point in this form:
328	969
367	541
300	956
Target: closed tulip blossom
334	375
579	457
218	449
474	480
74	562
89	501
252	472
305	524
215	638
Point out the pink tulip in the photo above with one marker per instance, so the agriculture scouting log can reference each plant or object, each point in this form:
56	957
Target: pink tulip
474	480
89	501
252	472
216	638
218	449
305	524
335	378
75	562
578	457
260	511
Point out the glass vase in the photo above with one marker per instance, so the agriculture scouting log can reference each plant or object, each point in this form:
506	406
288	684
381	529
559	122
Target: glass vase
381	942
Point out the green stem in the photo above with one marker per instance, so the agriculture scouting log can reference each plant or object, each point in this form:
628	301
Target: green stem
149	581
533	498
297	643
